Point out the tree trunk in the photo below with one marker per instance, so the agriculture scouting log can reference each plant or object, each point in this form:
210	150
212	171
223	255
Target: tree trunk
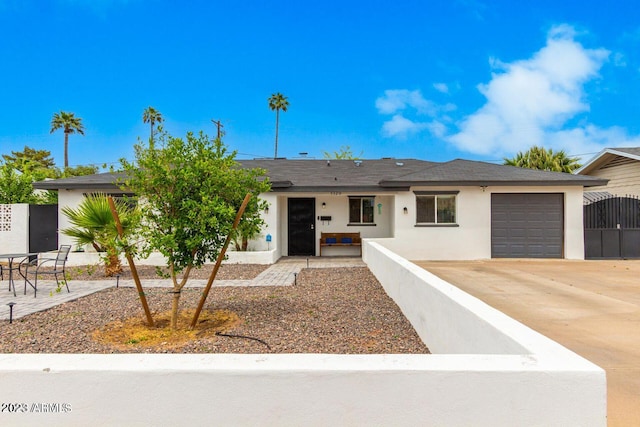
112	264
174	309
66	150
275	156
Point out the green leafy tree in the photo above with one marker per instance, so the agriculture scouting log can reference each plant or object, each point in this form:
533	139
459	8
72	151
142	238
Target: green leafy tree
70	124
191	190
80	170
345	153
151	116
93	224
544	159
16	187
38	163
277	102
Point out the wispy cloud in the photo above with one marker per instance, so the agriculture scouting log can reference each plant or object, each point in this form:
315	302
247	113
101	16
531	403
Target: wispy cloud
402	127
411	113
533	101
399	100
441	87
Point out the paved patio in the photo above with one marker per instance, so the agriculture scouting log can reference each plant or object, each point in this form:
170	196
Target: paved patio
281	273
590	307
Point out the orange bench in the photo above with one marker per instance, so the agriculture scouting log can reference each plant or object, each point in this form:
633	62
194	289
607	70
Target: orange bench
340	239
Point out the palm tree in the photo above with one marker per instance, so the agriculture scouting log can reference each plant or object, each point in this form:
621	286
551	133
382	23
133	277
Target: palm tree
71	124
151	116
93	224
544	159
278	102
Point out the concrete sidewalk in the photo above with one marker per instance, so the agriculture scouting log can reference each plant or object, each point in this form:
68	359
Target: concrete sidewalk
590	307
282	273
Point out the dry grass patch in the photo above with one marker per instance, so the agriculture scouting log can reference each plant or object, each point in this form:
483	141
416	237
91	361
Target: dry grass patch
135	333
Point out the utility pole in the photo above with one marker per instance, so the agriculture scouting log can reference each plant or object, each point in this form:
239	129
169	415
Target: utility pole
219	125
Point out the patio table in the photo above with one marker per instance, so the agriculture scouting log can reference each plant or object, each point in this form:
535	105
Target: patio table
11	258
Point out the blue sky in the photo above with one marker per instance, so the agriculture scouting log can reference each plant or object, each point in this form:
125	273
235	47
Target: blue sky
434	80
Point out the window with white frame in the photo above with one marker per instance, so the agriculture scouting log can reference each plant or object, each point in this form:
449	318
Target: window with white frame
361	209
436	207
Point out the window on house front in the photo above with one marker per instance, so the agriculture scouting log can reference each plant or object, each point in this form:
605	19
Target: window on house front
361	210
435	208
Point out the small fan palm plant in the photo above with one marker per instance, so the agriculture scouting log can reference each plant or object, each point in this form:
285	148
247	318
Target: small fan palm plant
93	224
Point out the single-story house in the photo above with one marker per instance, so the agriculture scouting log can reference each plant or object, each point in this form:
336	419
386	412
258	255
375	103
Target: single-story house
456	210
620	166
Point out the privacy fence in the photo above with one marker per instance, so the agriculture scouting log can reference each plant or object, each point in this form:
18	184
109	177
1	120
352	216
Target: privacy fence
612	228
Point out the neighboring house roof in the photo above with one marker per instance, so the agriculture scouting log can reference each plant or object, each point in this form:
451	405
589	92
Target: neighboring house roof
589	197
368	175
607	155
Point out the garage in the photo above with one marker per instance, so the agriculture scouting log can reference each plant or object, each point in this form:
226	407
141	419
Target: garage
527	225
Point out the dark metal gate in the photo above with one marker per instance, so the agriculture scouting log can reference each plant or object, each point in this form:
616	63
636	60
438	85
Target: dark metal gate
43	228
612	228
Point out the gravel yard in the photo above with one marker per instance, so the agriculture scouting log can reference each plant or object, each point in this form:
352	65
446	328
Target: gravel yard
329	310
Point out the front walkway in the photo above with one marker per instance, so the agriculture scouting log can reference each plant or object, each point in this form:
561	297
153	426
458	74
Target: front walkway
281	273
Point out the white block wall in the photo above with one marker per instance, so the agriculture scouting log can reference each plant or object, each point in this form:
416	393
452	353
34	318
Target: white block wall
502	373
14	232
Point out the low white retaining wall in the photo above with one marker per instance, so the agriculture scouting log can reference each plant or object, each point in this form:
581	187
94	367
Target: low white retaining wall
523	379
233	257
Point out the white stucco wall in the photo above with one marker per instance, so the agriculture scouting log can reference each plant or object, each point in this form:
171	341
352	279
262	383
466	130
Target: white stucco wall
471	237
71	198
502	373
337	207
14	234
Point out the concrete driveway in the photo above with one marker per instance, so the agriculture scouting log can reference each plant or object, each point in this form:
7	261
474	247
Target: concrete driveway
590	307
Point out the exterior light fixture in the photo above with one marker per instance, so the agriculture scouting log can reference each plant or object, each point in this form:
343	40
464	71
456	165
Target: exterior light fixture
11	304
405	210
324	205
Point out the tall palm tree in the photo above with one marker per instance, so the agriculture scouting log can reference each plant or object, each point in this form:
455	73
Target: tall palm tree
278	102
151	116
71	124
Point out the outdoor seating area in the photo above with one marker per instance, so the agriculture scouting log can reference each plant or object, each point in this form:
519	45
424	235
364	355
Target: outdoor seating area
22	266
341	239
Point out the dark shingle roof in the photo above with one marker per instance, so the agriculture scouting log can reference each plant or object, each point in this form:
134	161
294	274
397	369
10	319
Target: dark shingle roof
98	181
316	175
468	172
367	175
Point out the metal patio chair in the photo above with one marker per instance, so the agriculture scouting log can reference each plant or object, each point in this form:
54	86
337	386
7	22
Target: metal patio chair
44	266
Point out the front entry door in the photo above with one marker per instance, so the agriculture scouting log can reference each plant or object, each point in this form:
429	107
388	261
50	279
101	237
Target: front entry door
301	225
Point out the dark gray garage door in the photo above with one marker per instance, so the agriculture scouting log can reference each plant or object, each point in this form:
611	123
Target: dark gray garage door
527	225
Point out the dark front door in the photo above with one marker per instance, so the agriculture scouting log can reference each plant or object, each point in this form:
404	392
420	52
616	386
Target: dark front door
43	228
301	225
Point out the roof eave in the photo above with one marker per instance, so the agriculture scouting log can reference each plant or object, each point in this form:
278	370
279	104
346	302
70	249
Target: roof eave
339	189
481	183
75	186
596	161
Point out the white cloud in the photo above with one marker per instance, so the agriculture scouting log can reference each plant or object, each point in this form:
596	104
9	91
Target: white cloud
401	127
529	101
404	104
441	87
399	100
